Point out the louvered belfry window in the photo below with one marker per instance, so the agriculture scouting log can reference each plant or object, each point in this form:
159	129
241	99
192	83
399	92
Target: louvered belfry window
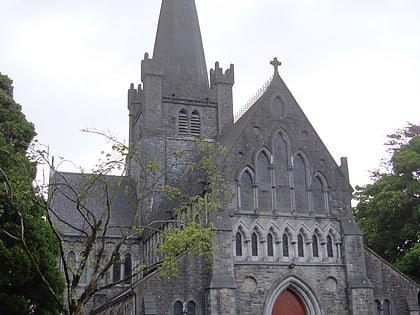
183	122
189	125
195	124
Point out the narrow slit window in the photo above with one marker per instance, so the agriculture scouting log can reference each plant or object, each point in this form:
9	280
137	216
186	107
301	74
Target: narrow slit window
270	249
315	251
329	247
238	241
300	246
285	245
254	243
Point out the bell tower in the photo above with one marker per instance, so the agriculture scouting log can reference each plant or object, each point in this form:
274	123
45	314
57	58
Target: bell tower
175	105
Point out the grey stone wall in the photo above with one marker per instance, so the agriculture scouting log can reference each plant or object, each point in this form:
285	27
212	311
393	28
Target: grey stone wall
390	284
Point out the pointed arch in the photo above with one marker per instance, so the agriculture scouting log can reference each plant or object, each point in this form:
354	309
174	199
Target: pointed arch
297	287
300	181
264	180
116	268
320	194
128	267
254	244
315	246
281	154
246	199
270	245
183	122
195	123
238	244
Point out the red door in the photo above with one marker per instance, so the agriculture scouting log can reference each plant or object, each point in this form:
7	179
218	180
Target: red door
288	303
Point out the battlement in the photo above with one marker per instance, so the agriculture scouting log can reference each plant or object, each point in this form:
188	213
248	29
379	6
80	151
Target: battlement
151	67
218	77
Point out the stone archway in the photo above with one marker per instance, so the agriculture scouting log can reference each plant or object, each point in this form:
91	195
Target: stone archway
291	296
288	303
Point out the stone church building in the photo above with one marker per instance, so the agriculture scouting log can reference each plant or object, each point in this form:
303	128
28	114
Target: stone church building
287	242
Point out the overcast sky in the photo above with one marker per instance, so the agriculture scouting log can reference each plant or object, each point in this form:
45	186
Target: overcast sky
353	66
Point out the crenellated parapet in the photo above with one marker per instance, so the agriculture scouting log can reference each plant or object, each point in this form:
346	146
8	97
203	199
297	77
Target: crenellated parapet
221	84
218	77
151	67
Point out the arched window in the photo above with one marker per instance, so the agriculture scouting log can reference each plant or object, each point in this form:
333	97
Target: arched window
281	174
318	196
387	308
71	262
330	252
246	191
183	122
285	245
254	244
378	307
128	265
270	249
315	251
116	268
178	308
300	180
83	276
238	244
191	308
195	124
264	182
300	246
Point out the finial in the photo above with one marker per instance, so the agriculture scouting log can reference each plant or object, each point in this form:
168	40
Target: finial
275	63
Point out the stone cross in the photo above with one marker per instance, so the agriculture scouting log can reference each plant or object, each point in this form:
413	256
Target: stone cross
275	63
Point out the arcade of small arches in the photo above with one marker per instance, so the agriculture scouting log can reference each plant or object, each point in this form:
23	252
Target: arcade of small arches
282	182
285	243
121	268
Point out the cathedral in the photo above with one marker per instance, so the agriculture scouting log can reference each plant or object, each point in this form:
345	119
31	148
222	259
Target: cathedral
286	241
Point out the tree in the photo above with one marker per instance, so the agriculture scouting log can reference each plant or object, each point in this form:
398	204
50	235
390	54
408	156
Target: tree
185	227
26	240
388	211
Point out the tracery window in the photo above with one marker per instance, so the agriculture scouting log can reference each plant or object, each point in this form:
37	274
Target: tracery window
238	244
270	249
254	244
264	182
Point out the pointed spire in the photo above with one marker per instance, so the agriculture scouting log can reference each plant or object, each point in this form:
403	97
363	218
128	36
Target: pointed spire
178	44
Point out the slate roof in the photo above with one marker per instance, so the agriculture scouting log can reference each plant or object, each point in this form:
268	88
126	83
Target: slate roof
67	190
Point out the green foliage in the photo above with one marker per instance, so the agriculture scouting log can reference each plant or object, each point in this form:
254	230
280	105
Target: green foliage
388	211
192	233
27	246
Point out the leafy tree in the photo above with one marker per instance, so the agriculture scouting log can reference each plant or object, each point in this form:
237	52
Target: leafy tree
188	228
28	248
388	211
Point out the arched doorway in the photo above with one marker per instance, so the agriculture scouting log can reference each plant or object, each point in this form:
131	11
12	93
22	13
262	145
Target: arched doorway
288	303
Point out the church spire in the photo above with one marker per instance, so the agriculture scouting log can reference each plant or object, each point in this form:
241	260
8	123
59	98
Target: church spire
179	46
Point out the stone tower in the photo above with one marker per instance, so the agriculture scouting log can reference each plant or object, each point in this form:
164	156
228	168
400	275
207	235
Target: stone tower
175	105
